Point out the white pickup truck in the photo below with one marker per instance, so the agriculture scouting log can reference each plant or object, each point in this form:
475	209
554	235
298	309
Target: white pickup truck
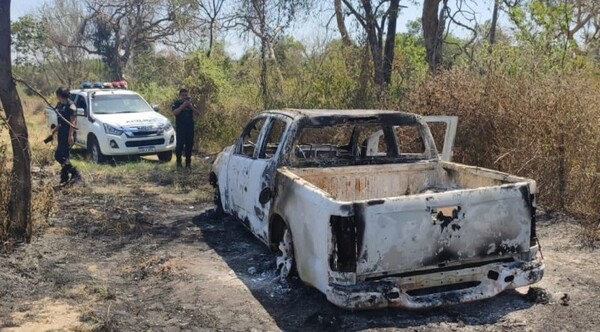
117	122
360	204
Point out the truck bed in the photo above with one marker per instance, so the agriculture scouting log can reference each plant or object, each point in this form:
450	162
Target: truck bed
415	216
357	183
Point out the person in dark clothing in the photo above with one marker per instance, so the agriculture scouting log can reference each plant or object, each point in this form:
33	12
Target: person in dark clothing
67	121
184	109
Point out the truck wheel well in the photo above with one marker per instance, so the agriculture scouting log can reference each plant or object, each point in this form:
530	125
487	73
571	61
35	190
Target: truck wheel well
212	179
277	227
90	137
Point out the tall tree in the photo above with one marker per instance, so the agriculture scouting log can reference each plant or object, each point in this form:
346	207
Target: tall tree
211	9
267	20
390	41
378	20
60	27
341	24
18	225
117	29
433	20
494	22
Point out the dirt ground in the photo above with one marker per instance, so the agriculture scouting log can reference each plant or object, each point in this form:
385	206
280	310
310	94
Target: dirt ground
142	250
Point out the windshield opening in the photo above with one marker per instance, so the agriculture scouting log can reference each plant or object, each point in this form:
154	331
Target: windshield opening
112	104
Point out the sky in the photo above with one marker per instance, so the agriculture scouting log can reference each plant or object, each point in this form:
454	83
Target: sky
19	8
313	31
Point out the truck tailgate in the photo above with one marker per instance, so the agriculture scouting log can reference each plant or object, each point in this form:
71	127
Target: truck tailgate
433	230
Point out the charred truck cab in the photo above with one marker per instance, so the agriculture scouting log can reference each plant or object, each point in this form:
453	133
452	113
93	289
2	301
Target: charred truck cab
364	208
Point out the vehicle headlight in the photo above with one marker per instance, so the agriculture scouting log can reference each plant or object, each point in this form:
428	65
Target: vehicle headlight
112	130
166	126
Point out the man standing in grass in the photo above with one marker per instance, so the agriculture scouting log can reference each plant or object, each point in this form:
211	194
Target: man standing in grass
184	109
67	121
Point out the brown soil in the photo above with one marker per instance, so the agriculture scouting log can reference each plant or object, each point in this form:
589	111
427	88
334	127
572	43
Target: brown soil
154	257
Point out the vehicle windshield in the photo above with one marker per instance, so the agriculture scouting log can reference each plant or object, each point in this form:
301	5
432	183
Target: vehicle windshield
359	144
119	103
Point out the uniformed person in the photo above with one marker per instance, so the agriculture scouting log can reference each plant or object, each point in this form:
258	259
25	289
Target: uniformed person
67	121
184	109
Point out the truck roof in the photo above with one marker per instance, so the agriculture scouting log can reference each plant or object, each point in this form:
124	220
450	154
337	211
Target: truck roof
316	116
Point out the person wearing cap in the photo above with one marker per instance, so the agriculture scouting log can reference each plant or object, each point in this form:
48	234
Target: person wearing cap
67	121
184	109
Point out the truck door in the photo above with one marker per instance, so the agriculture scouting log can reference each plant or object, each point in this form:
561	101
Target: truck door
443	129
252	170
83	124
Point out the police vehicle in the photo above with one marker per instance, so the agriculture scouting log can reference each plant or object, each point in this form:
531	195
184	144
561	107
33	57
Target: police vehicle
114	121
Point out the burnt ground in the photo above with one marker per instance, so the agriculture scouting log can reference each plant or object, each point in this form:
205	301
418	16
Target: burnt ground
138	248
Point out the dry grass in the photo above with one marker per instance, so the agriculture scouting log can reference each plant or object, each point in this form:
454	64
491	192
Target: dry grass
542	126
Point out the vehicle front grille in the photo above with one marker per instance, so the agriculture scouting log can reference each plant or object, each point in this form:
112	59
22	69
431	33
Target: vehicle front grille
143	133
134	144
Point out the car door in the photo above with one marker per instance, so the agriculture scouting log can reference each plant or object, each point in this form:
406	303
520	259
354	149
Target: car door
82	120
443	129
240	168
252	172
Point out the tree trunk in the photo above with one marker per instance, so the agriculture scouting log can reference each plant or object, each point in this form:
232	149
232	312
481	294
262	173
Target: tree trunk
362	95
18	226
264	89
432	33
114	64
276	68
390	41
339	17
375	48
210	37
494	23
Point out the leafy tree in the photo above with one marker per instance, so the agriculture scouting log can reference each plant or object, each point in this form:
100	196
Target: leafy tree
60	26
557	29
117	30
28	40
378	20
267	20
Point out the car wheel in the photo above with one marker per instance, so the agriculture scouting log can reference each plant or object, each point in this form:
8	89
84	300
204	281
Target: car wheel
95	152
165	156
285	256
217	200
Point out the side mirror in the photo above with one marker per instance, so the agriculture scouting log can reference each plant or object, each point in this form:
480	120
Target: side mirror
155	108
80	112
265	195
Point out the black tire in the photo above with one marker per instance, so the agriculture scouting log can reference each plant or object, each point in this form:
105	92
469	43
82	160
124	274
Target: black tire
219	211
165	156
94	151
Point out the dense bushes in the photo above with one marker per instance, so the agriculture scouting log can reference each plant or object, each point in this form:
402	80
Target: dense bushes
535	124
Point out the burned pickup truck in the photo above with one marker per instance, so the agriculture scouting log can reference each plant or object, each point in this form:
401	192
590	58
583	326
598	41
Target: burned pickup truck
363	207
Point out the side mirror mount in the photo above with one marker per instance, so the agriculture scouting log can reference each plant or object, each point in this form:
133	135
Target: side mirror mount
155	107
80	112
265	195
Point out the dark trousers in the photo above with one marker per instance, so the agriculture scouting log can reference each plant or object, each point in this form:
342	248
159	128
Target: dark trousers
185	141
62	156
62	152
